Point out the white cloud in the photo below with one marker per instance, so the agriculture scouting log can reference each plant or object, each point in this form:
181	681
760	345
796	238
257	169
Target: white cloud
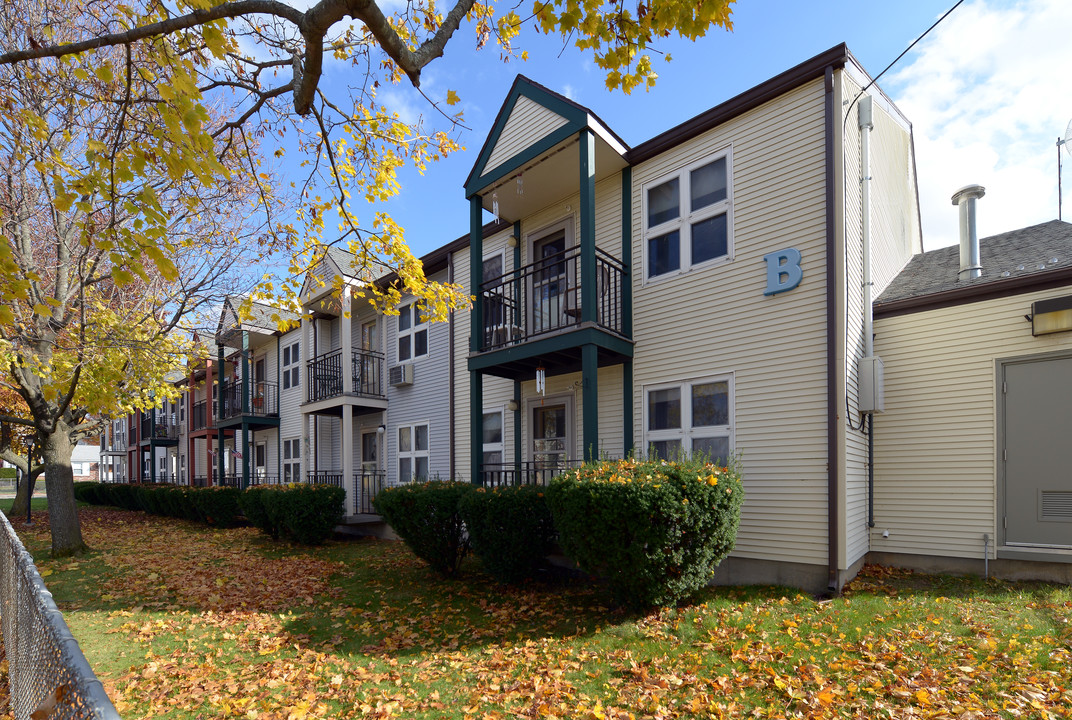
569	91
987	97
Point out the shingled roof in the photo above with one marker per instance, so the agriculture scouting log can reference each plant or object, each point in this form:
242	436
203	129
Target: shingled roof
1013	260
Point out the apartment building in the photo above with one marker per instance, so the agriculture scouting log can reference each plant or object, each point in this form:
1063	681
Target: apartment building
709	290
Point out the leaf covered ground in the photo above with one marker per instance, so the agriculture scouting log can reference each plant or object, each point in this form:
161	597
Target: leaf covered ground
182	621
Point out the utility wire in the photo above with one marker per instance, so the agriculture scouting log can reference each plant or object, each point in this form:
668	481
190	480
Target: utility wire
905	52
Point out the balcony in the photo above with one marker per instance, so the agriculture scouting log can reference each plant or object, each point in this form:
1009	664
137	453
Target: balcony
324	380
263	400
534	316
164	429
524	473
367	484
199	415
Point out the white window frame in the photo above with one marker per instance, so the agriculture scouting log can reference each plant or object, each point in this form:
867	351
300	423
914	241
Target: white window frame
498	447
291	371
291	459
413	453
686	218
416	326
687	432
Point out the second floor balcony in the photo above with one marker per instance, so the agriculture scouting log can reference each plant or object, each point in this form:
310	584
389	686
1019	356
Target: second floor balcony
261	399
199	415
159	426
547	296
324	375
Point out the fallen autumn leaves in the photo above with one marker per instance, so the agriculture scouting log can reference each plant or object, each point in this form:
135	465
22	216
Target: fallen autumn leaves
181	621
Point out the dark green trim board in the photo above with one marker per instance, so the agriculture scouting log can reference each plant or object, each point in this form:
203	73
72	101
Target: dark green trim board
590	398
245	407
557	343
476	272
517	427
627	408
476	426
588	225
832	424
627	252
575	116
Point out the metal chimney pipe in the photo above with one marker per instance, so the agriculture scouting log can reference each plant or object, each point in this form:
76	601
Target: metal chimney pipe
970	265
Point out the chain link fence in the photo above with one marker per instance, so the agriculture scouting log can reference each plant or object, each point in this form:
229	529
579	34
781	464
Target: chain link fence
48	675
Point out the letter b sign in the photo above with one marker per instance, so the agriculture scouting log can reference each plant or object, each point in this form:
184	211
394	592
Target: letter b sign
783	271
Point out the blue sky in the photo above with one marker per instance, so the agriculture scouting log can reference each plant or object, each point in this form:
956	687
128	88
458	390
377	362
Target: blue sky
986	93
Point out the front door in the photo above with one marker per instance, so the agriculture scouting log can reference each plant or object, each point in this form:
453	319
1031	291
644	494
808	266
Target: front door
1037	455
370	446
551	431
550	283
260	460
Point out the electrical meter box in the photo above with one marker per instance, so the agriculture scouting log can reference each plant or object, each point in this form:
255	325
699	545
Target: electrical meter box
872	385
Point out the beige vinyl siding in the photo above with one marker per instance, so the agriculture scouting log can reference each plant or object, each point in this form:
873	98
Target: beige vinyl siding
528	123
290	415
935	446
715	320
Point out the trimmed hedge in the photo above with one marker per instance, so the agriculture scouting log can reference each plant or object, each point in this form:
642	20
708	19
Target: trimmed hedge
253	507
425	515
653	530
510	529
306	514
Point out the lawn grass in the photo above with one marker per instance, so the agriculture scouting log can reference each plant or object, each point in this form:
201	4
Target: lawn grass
181	621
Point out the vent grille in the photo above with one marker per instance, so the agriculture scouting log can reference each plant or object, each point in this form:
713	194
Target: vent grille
400	375
1056	505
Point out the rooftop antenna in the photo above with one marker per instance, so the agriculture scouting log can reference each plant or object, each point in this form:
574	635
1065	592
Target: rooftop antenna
1068	149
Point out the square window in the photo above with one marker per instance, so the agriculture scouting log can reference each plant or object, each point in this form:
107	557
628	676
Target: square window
420	438
663	204
420	343
710	404
403	348
665	449
412	342
710	239
707	184
405	443
664	254
493	427
664	409
715	449
404	318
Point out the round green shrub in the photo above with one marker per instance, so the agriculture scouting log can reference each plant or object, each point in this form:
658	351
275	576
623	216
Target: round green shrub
311	512
653	530
217	506
425	515
510	529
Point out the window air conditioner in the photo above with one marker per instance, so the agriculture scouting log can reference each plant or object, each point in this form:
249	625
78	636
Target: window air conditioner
401	375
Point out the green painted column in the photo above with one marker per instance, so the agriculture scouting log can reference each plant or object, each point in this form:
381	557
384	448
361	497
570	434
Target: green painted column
627	408
590	397
587	230
219	413
476	337
152	445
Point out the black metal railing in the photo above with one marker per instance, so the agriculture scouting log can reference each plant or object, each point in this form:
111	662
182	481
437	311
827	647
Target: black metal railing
263	399
324	375
199	481
199	415
367	484
261	479
324	477
546	296
368	373
166	426
537	472
47	674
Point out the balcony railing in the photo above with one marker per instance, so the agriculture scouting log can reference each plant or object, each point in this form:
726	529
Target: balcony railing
546	296
537	472
263	399
199	415
324	375
166	426
324	477
367	484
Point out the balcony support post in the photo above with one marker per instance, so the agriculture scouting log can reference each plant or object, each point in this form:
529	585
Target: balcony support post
588	226
627	251
348	457
517	428
476	337
590	398
346	341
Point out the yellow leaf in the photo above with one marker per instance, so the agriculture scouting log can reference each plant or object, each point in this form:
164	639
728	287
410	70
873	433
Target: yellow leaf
452	97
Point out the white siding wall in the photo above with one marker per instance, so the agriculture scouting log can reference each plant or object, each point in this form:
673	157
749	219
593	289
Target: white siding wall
716	321
426	401
935	469
290	400
895	235
528	123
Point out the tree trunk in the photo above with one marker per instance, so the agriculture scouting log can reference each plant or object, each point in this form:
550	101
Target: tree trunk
59	486
22	495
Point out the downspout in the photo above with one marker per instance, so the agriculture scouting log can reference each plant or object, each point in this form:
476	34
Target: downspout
866	124
450	371
832	423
